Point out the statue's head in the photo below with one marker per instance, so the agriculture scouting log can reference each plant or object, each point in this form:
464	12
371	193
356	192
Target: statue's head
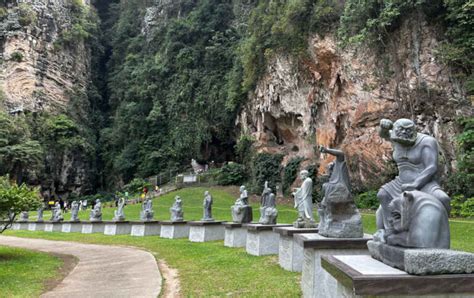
304	174
242	188
403	132
206	193
97	201
330	168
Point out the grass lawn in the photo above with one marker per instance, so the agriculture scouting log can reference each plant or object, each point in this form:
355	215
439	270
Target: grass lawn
210	269
23	273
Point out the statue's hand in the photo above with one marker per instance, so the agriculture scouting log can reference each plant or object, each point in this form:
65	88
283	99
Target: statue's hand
409	187
322	149
386	124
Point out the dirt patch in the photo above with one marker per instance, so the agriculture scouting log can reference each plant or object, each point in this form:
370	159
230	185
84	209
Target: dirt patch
69	263
171	285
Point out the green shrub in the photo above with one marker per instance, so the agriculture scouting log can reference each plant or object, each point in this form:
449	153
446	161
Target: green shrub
137	185
462	207
17	56
232	174
26	14
3	13
367	200
266	167
290	173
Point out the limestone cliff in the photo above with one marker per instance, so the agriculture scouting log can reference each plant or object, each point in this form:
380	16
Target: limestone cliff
336	97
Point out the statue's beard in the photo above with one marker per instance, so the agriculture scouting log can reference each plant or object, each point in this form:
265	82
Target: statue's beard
407	140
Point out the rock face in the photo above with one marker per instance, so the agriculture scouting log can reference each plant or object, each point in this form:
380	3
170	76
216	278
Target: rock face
37	73
336	98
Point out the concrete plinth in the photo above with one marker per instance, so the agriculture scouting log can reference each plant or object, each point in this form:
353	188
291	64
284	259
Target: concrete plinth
36	226
174	229
113	228
354	276
314	247
89	227
234	235
53	226
72	227
203	231
146	228
261	240
20	225
290	253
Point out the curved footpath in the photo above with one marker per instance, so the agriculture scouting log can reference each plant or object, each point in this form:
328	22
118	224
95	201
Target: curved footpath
102	271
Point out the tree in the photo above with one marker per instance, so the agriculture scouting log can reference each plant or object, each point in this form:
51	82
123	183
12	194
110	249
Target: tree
14	199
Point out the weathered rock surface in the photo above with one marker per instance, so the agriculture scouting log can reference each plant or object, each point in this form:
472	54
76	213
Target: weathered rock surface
337	97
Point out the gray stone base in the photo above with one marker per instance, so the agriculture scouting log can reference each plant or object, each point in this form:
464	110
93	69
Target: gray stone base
72	227
313	276
20	225
53	226
203	231
290	253
174	230
92	227
113	228
261	240
423	261
36	226
354	276
234	235
146	228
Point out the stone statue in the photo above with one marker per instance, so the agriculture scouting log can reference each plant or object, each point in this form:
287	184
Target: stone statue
304	202
207	207
147	212
24	216
241	210
74	211
96	212
40	212
339	217
413	208
57	214
176	210
268	211
118	214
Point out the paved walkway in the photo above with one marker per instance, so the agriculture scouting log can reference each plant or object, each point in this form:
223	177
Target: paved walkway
102	271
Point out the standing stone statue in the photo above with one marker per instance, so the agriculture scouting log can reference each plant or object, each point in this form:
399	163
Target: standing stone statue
24	215
263	200
413	208
304	202
207	207
241	210
339	217
96	212
147	212
40	212
118	214
268	212
57	214
75	211
176	210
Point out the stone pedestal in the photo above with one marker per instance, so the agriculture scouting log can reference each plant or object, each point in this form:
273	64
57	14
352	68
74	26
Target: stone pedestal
203	231
36	226
20	225
113	228
314	247
354	276
53	226
261	240
89	227
146	228
234	235
72	227
290	253
174	229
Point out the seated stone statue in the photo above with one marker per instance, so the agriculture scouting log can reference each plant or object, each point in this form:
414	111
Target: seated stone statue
207	207
24	216
96	212
147	212
339	217
40	212
119	214
57	214
241	210
413	208
268	211
176	210
74	211
304	202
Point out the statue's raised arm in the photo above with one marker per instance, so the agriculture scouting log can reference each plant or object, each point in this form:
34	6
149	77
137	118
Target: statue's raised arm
384	130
